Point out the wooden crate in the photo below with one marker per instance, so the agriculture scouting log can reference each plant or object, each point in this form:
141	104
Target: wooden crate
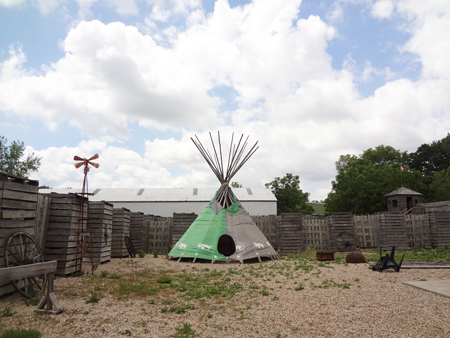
156	234
181	222
136	224
120	230
291	236
100	223
64	222
18	204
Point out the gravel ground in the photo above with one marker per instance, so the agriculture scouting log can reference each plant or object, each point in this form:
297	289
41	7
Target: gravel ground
284	298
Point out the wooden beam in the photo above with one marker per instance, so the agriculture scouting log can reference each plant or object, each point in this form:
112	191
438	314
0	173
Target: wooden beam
23	271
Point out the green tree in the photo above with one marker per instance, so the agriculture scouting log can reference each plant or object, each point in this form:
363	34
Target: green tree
13	162
236	185
431	158
363	181
440	186
290	198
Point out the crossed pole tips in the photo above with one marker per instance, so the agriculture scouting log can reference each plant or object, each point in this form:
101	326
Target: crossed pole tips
237	156
86	163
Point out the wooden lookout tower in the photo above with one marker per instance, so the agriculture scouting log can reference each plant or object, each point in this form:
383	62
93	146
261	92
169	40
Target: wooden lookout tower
402	199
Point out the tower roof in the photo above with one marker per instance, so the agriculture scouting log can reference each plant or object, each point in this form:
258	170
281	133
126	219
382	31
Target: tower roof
403	191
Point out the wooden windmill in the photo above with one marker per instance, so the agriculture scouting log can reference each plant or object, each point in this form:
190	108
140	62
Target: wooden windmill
84	241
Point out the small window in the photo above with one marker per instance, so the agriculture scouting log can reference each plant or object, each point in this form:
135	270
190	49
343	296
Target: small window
394	203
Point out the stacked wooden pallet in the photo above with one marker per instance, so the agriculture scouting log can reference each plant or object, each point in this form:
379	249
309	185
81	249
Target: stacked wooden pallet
156	234
342	233
181	222
100	222
440	229
136	224
291	237
63	232
392	230
18	201
120	230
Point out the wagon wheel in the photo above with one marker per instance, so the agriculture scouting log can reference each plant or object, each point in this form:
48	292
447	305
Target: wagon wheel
22	249
130	247
344	241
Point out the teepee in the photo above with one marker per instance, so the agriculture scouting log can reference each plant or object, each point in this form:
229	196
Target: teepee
224	231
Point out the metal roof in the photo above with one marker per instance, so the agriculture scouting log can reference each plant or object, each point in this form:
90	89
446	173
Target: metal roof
167	194
403	191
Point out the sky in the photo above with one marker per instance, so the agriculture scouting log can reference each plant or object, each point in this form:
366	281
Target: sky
135	80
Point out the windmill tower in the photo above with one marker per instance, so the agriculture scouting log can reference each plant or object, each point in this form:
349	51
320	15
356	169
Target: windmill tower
84	239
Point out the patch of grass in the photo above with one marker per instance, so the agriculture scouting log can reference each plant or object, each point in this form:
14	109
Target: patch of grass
94	298
151	301
104	274
155	253
141	289
7	312
77	274
18	333
182	308
115	276
185	331
299	287
164	280
32	301
141	254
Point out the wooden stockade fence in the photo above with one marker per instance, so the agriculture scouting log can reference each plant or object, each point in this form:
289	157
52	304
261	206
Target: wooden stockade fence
291	237
392	230
418	231
440	229
342	234
18	204
136	225
120	230
101	219
317	233
366	233
268	226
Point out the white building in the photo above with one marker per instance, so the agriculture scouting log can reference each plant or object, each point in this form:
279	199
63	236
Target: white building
165	201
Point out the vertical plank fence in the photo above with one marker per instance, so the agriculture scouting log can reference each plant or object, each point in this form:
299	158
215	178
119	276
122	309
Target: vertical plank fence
291	237
268	226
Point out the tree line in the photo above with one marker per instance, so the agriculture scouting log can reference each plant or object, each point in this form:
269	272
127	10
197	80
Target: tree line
363	181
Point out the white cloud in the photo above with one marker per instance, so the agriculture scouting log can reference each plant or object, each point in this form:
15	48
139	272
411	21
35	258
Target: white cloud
383	9
287	94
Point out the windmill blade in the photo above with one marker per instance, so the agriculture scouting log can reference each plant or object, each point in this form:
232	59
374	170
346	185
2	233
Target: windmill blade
95	165
78	158
77	165
94	157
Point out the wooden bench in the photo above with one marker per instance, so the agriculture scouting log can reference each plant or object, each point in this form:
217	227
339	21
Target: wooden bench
49	304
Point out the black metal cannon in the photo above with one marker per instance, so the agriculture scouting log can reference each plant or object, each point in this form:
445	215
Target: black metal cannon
388	262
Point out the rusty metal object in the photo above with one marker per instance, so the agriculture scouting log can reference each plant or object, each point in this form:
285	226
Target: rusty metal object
325	255
355	257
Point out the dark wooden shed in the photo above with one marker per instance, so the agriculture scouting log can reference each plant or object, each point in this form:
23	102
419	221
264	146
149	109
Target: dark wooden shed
402	199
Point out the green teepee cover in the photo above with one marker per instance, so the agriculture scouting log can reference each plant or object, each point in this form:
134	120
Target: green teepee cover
201	239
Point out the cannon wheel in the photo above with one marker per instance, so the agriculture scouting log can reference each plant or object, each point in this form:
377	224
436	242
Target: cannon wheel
22	249
130	247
